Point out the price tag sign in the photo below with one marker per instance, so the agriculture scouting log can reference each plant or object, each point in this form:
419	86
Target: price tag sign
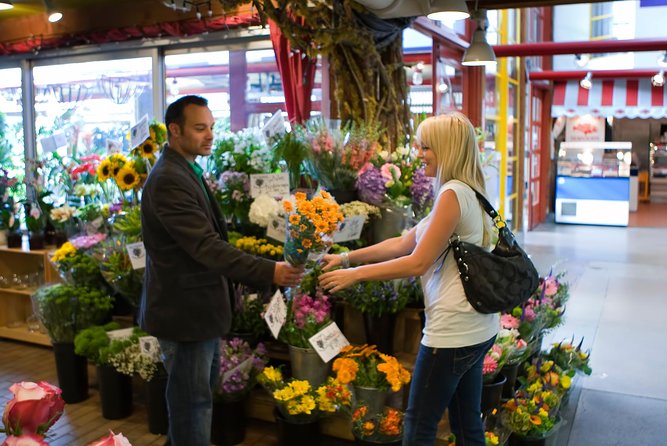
350	229
150	347
272	184
276	313
123	333
140	132
274	126
244	367
137	254
276	229
328	342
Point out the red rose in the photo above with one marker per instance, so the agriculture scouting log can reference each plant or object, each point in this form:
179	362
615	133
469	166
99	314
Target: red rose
112	440
34	408
25	440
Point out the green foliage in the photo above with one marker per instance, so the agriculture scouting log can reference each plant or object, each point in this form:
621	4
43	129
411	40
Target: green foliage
129	223
376	297
66	309
290	148
247	316
90	342
89	212
81	269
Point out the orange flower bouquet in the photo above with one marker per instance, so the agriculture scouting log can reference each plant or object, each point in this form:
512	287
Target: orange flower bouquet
365	366
386	427
310	226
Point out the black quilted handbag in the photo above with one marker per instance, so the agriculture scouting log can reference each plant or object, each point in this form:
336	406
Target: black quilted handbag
498	280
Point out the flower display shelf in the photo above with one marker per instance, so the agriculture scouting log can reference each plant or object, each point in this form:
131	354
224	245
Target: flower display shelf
15	304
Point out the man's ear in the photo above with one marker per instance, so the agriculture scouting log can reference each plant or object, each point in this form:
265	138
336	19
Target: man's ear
174	129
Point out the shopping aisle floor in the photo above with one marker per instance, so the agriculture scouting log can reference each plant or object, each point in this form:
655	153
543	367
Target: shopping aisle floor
618	304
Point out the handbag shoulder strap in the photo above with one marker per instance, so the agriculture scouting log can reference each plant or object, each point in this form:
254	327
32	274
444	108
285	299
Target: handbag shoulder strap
498	221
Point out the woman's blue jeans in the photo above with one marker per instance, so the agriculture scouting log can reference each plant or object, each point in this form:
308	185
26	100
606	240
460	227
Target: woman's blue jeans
446	378
192	369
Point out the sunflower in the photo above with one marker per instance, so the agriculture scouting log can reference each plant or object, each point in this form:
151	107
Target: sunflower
127	178
104	170
148	148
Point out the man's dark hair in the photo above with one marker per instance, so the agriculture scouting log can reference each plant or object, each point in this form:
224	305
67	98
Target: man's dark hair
175	110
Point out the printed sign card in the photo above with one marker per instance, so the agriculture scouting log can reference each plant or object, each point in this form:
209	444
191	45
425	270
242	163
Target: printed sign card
328	342
140	132
276	229
150	347
137	254
274	126
244	367
350	229
272	184
276	314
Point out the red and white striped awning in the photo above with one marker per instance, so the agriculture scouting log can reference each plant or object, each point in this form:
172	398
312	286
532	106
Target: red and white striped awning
620	98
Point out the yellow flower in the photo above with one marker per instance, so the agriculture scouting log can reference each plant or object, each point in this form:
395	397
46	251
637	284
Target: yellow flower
272	374
127	178
65	250
148	148
104	170
294	219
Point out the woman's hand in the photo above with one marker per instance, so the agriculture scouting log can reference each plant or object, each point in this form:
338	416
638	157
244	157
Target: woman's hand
331	261
338	280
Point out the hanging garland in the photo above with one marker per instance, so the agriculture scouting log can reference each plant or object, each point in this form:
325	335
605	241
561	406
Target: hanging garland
367	74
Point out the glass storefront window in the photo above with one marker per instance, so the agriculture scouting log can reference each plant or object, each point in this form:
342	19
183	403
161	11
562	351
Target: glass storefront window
11	122
202	73
86	106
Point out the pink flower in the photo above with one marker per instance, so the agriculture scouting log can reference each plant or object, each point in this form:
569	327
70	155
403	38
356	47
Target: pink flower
529	313
550	286
390	170
34	408
112	440
25	440
490	365
508	321
520	343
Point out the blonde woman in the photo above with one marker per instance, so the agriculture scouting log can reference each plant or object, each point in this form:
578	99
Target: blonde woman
448	369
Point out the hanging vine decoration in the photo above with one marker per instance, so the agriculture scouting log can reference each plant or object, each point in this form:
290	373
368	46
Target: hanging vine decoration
369	84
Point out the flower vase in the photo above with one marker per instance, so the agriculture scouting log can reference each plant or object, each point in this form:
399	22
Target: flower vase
372	397
36	239
156	405
394	220
72	371
228	423
307	364
380	331
548	439
297	434
343	196
510	371
14	239
115	392
491	393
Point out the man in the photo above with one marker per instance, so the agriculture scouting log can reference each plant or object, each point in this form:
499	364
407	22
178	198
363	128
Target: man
190	268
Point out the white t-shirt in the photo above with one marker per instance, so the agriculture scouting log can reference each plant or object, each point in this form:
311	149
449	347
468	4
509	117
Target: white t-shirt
450	320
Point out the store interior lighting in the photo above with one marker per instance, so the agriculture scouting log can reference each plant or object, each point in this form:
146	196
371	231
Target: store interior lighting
587	81
444	10
54	14
479	53
581	60
658	79
5	4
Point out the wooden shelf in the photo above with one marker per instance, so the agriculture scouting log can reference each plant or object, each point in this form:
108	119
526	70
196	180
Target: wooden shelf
36	252
15	291
22	333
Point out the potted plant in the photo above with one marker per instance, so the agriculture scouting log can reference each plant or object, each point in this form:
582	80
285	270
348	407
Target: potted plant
35	221
372	373
6	204
385	428
64	310
76	264
62	219
247	321
290	148
300	405
9	214
239	367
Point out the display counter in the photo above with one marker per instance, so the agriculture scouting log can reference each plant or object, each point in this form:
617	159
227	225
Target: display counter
593	183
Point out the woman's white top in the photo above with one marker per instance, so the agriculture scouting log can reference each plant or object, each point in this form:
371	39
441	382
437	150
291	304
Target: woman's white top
450	320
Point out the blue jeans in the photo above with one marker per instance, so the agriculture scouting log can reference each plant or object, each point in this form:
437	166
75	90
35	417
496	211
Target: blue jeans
192	369
446	378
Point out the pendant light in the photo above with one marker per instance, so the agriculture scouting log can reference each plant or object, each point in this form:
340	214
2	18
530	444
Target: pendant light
479	53
448	10
5	4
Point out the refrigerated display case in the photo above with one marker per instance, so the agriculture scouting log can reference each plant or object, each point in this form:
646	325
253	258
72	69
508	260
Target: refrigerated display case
658	172
593	183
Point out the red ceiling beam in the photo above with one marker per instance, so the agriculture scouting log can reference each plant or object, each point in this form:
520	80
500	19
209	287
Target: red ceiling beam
601	74
587	46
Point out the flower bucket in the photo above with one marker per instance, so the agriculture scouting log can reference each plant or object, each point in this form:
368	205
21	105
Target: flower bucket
380	331
156	405
14	239
115	392
72	371
297	434
228	423
36	240
491	393
394	220
372	397
307	364
344	195
510	371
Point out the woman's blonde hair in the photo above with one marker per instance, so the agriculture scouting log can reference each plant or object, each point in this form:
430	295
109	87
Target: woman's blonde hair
452	139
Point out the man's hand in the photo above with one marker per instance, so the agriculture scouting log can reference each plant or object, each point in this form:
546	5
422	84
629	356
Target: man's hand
287	275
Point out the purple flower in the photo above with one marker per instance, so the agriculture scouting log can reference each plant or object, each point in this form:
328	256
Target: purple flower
371	185
421	190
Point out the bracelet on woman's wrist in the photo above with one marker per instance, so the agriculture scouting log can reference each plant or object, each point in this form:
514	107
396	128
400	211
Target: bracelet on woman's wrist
345	259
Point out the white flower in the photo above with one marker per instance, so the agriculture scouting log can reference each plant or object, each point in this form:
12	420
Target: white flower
35	212
403	151
263	209
384	155
62	214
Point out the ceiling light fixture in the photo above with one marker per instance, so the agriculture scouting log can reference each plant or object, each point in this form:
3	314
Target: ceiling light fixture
448	10
52	13
581	60
5	4
587	82
479	53
658	79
